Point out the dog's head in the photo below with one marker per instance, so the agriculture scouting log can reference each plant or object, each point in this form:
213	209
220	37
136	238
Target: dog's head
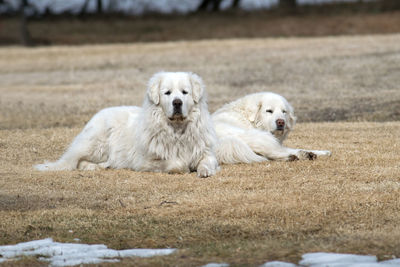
176	93
271	112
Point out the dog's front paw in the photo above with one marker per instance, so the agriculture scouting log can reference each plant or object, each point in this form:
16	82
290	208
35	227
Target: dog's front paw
303	154
205	171
311	156
208	167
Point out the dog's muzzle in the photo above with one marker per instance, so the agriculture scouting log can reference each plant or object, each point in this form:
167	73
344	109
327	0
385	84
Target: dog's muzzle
177	113
280	124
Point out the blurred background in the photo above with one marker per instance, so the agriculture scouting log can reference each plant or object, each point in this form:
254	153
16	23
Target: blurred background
58	22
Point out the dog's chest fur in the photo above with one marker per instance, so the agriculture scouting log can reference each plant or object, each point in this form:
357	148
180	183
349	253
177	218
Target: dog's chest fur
178	141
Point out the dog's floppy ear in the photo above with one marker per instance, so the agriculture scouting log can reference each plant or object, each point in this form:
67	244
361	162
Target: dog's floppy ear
197	86
255	111
292	117
153	87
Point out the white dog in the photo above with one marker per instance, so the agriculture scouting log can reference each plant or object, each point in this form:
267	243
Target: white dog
172	132
252	129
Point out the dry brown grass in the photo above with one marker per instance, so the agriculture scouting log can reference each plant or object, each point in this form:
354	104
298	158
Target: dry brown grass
326	79
246	214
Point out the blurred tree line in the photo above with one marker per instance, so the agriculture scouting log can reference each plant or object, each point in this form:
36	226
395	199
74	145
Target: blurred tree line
11	6
27	8
215	5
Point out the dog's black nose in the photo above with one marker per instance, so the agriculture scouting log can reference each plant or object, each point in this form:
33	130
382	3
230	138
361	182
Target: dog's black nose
177	103
280	124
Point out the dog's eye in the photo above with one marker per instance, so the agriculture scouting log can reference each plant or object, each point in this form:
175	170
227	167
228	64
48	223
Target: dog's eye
269	111
184	92
167	93
283	111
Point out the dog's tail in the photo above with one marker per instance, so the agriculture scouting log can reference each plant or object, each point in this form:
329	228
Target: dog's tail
231	150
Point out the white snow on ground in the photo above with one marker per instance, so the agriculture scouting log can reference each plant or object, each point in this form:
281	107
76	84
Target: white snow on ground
216	265
322	259
394	262
69	254
312	259
278	264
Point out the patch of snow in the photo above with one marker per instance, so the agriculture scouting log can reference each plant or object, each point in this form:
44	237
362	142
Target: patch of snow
69	254
392	262
322	259
278	264
302	2
368	264
216	265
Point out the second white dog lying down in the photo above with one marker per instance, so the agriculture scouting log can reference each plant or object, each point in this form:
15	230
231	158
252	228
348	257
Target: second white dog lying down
252	129
172	132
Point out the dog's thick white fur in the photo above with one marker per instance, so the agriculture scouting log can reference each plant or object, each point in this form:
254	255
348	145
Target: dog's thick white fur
172	132
252	129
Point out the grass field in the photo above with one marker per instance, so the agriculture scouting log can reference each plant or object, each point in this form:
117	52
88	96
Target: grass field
346	91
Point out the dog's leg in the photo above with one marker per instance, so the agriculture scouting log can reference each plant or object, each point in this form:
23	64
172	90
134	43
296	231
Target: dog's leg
266	145
208	166
90	146
89	166
309	154
232	150
70	160
320	152
175	166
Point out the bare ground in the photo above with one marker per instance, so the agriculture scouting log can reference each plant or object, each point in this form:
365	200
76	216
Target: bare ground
246	214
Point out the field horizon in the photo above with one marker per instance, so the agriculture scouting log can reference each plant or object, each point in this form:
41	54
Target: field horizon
345	91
